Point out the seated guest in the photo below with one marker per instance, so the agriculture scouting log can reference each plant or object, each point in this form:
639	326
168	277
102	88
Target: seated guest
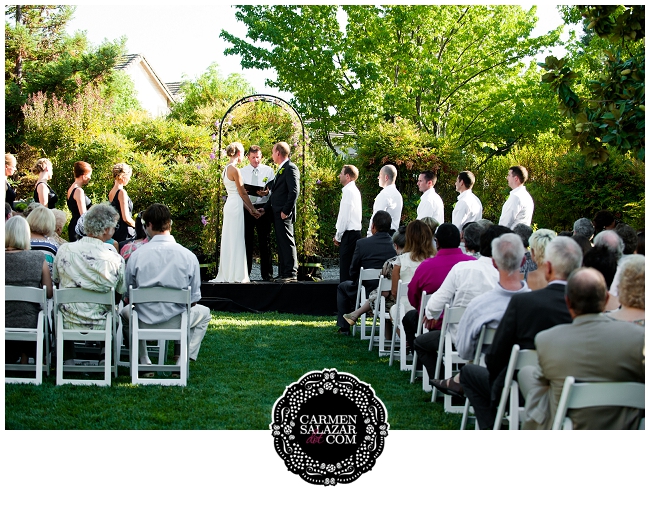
630	240
488	308
60	219
603	220
42	224
369	253
525	231
612	241
584	243
164	263
431	273
583	227
591	348
399	241
538	241
417	249
23	268
640	247
8	211
140	238
465	281
90	264
604	260
81	232
631	292
470	239
526	315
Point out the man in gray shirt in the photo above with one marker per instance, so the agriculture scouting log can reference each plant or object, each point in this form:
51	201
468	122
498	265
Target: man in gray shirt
164	263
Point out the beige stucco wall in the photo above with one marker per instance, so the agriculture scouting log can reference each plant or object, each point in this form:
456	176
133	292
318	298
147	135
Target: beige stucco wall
150	96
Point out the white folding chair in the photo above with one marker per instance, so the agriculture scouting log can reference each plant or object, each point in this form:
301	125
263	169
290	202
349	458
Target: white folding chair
485	338
590	394
141	332
104	335
518	360
426	386
452	360
364	276
404	358
382	315
39	334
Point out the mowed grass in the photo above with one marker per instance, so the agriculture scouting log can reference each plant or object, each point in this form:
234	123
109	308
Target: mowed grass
245	363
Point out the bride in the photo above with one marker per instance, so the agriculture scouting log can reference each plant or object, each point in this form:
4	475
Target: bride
232	261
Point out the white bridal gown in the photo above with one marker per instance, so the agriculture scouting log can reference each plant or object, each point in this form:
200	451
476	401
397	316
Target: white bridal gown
232	262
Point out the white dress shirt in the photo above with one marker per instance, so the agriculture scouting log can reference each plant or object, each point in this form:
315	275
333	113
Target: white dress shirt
468	208
390	200
464	282
431	205
349	211
257	177
518	208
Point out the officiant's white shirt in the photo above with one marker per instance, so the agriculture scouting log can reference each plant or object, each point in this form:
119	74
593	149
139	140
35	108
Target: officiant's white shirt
255	177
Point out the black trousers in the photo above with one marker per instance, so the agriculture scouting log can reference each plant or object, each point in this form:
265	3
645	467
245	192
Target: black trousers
287	255
475	381
346	294
346	251
263	227
427	346
410	324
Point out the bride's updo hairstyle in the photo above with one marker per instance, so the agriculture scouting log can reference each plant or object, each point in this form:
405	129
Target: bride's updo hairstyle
234	148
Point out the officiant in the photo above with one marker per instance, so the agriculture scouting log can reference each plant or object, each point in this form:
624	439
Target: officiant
256	174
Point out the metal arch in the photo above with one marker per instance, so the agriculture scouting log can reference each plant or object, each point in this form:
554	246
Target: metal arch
267	98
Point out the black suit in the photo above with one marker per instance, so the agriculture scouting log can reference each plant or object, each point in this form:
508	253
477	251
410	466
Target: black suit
527	314
369	253
283	200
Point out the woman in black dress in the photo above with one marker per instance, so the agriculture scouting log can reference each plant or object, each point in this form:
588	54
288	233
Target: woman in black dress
43	194
10	168
78	201
122	203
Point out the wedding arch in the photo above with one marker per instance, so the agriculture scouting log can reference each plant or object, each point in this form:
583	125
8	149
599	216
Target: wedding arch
286	107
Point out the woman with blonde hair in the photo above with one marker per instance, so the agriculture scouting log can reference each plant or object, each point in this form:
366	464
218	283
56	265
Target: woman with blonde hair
232	259
78	201
10	169
631	291
42	223
24	268
538	241
122	203
43	193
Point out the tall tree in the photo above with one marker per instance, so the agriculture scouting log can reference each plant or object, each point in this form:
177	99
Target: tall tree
601	86
41	57
453	70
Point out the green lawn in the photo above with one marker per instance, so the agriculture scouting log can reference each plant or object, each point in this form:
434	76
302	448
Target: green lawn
245	363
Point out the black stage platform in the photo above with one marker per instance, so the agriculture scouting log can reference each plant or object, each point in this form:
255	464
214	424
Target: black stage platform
311	298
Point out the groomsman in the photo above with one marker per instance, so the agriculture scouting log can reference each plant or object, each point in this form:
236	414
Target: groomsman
258	175
430	202
282	205
469	207
389	198
348	223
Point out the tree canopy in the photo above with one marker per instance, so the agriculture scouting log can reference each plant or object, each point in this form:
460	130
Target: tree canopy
456	71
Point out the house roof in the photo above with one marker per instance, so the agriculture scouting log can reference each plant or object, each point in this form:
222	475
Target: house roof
174	88
125	61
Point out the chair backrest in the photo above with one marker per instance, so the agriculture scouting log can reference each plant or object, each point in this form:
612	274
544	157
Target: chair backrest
486	337
518	360
385	284
590	394
452	315
77	295
423	305
160	295
27	295
365	275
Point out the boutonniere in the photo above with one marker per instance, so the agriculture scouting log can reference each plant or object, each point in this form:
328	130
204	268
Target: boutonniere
280	171
265	179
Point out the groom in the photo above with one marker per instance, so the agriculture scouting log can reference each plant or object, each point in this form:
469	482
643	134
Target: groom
282	204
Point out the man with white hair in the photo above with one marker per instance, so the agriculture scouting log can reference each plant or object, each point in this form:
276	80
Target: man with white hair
584	227
527	314
489	307
389	198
